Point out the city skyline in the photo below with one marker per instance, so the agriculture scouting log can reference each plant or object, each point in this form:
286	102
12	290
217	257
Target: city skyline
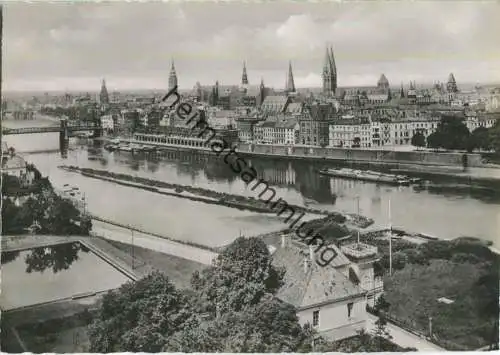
72	47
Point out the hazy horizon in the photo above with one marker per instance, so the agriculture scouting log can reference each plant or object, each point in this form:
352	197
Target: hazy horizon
51	47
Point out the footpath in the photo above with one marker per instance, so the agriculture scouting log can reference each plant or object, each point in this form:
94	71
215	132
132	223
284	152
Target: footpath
151	242
403	338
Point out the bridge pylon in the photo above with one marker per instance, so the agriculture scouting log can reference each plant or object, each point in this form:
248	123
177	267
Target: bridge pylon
63	135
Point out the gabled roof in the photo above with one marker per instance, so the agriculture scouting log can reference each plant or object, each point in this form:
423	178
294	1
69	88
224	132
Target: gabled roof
294	107
317	285
275	101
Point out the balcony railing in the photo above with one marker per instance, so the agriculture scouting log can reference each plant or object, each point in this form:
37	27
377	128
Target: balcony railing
359	250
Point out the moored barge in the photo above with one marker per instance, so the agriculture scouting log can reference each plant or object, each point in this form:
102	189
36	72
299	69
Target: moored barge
371	176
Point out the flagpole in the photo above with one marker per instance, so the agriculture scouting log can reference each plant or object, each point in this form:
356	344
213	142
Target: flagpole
390	240
357	198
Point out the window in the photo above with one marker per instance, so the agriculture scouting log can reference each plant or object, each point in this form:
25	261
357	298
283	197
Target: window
349	309
315	318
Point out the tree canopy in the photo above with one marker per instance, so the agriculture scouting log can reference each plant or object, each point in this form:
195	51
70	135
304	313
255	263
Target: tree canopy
231	308
418	139
451	133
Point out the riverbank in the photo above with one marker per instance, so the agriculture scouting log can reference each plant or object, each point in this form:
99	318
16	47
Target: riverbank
413	162
204	195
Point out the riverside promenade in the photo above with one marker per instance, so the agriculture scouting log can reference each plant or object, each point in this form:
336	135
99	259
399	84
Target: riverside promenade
145	240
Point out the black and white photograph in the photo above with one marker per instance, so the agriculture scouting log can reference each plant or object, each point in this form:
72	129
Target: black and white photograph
250	177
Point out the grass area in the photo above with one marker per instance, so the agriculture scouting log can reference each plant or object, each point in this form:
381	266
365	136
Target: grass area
179	270
461	270
57	335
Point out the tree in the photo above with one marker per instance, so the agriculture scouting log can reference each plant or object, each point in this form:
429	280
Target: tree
242	274
139	317
356	142
418	139
494	136
479	138
451	133
434	140
230	309
380	332
381	305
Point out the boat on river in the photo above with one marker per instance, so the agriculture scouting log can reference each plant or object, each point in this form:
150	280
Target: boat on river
372	176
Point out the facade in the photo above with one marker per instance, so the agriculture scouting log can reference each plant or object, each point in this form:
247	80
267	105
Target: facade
283	132
486	120
107	123
350	132
186	137
366	132
331	299
314	124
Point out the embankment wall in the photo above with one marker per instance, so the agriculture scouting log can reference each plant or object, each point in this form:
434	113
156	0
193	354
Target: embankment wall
362	156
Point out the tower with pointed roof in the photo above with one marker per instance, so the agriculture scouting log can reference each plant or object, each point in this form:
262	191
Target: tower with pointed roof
262	91
290	85
451	86
103	95
329	73
172	78
244	77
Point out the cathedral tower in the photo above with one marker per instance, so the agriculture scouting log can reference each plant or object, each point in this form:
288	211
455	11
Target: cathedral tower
329	73
172	78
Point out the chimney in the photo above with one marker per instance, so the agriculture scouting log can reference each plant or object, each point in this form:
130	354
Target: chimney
311	253
283	240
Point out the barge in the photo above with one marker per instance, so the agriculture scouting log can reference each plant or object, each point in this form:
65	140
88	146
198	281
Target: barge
371	176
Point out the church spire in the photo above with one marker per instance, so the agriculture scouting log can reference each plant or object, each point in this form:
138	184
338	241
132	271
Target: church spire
332	62
329	73
244	78
290	85
172	78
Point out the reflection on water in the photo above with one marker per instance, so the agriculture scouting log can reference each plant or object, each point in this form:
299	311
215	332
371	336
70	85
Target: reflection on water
443	208
55	258
73	270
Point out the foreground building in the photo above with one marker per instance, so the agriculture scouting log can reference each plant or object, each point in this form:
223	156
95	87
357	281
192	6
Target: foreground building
333	298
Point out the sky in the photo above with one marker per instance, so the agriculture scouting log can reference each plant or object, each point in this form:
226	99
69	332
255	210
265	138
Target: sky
60	46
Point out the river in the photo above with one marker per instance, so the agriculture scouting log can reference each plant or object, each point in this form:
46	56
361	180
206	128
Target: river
431	211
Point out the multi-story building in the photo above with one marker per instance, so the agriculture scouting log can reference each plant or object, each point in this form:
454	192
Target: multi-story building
313	124
282	132
475	120
245	126
350	132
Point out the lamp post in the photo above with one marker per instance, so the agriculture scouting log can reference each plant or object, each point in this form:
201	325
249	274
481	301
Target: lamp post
133	251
